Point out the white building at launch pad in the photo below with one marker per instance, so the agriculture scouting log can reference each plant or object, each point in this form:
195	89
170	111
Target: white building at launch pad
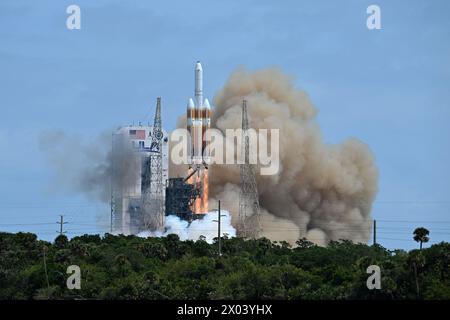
128	187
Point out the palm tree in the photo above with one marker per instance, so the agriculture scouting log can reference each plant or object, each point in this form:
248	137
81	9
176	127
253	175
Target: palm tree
421	235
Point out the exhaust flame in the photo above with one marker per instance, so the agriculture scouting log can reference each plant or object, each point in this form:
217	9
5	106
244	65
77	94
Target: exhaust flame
200	179
205	192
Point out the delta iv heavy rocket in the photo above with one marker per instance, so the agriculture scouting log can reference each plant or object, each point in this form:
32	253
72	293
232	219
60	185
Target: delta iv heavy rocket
198	122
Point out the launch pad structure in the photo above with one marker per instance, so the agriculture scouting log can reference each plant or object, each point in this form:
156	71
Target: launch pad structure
140	168
143	203
152	195
153	204
180	198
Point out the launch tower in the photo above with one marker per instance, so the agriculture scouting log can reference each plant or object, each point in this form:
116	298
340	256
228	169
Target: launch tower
153	186
249	215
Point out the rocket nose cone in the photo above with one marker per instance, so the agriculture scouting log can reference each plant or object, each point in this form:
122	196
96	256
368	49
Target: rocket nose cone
206	104
190	104
198	66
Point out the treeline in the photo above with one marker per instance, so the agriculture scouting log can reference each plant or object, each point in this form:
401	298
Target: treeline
129	267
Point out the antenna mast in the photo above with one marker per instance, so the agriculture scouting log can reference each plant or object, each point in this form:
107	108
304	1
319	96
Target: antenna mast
249	213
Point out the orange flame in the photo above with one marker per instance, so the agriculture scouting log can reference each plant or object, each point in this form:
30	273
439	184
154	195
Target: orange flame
198	201
200	205
205	192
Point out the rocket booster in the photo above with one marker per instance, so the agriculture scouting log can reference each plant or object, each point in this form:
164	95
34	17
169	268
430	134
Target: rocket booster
198	121
206	124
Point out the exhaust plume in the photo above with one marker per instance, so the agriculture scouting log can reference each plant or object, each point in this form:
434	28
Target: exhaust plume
321	192
86	167
205	227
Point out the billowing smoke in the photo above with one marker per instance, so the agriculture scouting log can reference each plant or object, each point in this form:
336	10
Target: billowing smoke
322	192
205	227
86	166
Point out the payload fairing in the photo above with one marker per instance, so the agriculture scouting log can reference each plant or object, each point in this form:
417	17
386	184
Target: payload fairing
198	122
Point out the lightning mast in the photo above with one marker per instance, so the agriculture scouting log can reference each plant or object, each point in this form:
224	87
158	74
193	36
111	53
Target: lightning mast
153	192
249	213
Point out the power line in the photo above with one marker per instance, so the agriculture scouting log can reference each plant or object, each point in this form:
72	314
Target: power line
26	224
90	226
417	221
26	206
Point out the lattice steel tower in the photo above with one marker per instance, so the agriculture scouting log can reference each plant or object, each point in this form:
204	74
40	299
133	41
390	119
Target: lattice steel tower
249	215
152	180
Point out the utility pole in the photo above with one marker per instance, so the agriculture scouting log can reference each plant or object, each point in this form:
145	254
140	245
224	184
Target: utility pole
61	224
374	231
45	268
112	183
218	229
417	281
112	211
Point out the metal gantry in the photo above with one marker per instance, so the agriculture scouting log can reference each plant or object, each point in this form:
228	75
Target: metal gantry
153	207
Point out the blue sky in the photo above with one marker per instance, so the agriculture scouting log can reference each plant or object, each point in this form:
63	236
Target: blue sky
392	85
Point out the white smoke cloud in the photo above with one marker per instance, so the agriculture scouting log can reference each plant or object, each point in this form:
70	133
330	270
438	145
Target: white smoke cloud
85	166
205	227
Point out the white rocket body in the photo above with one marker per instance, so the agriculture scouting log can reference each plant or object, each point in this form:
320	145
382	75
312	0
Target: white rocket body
198	121
199	84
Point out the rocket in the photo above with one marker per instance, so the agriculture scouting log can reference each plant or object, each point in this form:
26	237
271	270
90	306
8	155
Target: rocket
198	124
198	121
